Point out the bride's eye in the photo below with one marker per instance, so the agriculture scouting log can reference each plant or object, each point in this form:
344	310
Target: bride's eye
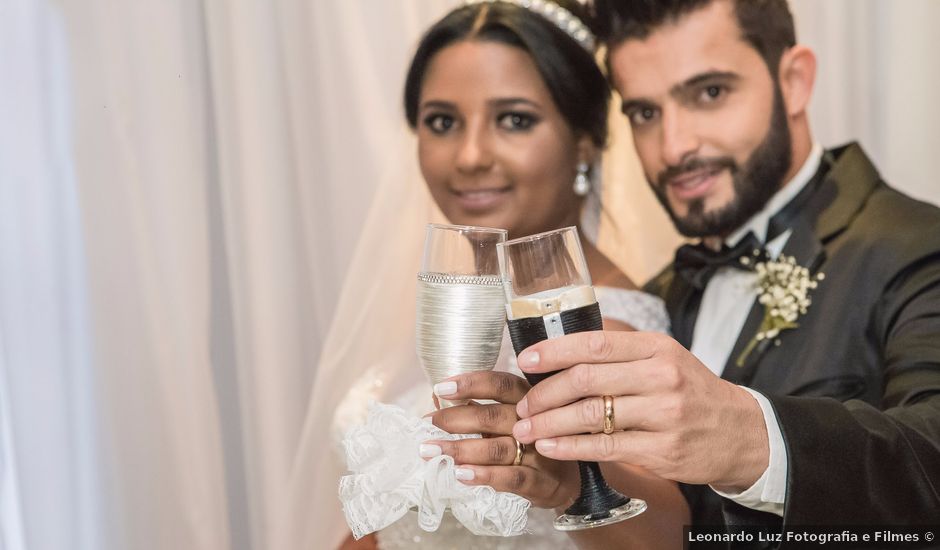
517	121
439	123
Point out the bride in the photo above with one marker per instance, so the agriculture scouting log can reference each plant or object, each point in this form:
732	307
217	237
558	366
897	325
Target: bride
510	112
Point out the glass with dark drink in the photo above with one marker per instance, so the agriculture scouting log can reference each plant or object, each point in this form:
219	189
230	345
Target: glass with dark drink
549	294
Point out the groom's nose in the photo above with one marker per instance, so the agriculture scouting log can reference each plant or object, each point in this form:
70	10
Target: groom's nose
679	140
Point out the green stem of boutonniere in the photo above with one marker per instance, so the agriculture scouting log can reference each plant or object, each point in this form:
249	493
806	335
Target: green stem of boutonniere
770	328
783	290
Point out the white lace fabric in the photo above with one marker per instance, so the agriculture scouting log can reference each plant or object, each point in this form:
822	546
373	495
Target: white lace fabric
389	478
638	309
410	391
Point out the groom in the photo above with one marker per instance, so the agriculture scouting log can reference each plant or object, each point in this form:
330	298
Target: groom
770	411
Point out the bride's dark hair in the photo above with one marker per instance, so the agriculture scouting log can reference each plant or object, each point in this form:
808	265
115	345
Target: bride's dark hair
570	72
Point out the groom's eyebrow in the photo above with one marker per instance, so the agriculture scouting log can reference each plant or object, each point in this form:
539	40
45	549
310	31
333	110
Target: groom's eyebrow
683	89
630	105
703	79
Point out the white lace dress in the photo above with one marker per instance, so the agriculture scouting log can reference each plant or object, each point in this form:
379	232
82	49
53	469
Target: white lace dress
638	309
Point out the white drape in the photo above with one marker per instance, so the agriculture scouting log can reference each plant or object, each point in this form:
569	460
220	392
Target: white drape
52	468
143	158
182	185
878	83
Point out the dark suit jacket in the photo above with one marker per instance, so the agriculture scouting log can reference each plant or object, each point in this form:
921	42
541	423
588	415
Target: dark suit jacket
856	387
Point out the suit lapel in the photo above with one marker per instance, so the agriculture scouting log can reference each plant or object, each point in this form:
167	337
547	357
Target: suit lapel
840	196
682	301
850	182
743	374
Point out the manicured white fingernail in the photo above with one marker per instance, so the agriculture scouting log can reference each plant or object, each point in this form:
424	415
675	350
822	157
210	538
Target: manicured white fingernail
445	388
546	445
528	359
522	428
522	408
426	450
464	474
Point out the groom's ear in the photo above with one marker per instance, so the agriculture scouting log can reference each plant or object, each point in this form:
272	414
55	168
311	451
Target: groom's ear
797	76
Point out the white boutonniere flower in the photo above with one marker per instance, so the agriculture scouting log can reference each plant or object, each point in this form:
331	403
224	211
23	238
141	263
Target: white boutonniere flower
784	290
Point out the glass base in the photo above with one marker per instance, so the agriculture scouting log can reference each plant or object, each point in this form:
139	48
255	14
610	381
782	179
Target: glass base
571	522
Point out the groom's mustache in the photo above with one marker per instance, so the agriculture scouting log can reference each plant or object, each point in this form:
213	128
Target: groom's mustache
695	164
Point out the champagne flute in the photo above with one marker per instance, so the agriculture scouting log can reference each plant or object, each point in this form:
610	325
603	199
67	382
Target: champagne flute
549	294
461	307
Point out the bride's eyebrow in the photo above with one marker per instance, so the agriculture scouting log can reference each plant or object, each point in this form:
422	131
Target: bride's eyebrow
506	102
437	104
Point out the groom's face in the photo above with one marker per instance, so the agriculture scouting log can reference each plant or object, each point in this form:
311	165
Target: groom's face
708	119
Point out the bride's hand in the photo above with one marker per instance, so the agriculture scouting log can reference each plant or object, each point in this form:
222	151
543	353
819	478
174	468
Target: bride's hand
545	482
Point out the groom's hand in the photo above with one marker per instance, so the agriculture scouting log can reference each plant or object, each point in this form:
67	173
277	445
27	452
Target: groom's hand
672	415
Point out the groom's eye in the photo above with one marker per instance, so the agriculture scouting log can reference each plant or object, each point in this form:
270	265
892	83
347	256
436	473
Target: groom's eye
641	115
712	94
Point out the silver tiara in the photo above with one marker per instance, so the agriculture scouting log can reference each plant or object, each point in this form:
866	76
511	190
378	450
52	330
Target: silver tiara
559	16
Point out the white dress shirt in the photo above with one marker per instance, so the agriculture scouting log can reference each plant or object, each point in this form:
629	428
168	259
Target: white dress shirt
725	306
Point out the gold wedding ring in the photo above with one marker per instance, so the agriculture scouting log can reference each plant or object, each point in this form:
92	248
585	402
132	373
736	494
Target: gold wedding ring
608	414
520	450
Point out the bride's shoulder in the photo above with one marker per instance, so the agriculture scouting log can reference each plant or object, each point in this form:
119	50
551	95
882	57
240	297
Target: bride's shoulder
641	310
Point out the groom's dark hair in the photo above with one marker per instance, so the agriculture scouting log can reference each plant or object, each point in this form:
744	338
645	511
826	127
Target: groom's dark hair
767	25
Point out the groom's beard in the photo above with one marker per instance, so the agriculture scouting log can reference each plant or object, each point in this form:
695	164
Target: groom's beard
754	183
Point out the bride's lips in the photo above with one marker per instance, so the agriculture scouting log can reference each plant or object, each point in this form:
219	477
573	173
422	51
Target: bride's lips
480	200
694	185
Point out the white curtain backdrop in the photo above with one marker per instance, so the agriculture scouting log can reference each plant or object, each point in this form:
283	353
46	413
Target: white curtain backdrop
878	83
182	187
53	463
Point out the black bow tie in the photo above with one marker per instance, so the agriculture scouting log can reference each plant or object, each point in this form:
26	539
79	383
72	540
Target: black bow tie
697	263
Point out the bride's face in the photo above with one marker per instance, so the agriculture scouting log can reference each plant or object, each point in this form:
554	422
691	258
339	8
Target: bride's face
493	147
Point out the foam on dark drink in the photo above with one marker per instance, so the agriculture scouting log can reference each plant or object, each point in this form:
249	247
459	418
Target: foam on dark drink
550	314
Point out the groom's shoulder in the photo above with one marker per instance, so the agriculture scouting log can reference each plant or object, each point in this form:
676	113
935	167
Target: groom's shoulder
869	206
898	221
891	238
889	207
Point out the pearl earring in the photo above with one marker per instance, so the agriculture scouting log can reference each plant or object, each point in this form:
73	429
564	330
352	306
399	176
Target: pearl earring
582	185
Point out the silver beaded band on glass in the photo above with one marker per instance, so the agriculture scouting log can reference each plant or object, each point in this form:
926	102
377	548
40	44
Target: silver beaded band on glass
446	279
559	16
